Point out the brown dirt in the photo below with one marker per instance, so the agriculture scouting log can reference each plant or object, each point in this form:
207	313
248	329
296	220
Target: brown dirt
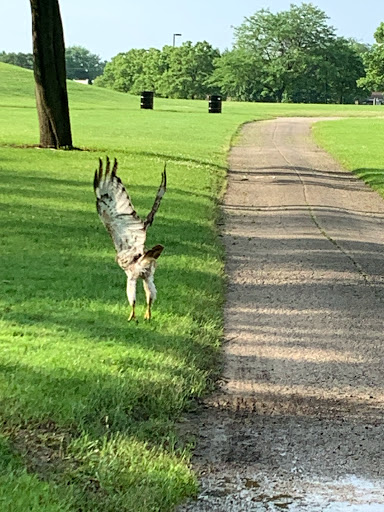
42	446
298	421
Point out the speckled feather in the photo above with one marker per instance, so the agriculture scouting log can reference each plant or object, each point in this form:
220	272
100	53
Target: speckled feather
116	211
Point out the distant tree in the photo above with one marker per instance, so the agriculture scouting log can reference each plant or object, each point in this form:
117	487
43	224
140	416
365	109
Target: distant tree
133	71
346	67
24	60
331	76
122	71
359	47
50	77
291	56
285	43
239	74
188	69
154	64
175	72
374	63
81	64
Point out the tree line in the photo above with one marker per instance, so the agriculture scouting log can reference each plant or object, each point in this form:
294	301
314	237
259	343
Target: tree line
80	63
292	56
288	56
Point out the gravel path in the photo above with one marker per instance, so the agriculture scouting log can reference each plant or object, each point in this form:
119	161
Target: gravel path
298	421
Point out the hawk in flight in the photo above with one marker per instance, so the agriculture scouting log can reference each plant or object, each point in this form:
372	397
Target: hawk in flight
128	232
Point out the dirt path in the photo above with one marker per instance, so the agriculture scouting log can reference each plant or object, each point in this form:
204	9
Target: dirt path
298	423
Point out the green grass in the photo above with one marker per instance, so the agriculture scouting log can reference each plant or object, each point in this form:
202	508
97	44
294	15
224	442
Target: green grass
23	490
359	146
88	402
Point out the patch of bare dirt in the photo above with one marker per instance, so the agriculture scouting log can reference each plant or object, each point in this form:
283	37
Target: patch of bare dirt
42	446
298	421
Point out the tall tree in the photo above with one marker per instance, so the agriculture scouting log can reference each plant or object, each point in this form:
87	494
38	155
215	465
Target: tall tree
188	70
239	75
292	56
50	75
374	63
345	68
330	76
285	42
122	71
154	64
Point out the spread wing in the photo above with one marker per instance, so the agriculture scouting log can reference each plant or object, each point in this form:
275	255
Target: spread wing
163	186
116	210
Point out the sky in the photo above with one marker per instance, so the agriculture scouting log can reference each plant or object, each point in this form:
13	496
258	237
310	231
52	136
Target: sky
108	27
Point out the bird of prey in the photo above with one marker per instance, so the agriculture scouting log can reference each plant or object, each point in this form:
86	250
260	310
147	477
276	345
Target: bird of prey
128	232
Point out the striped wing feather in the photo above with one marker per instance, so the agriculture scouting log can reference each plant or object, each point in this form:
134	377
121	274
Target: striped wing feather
163	186
116	211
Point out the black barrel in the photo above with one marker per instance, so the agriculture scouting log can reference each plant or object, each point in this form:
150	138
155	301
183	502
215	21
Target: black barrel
147	99
214	105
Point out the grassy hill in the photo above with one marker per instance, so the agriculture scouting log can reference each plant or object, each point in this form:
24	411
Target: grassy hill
88	400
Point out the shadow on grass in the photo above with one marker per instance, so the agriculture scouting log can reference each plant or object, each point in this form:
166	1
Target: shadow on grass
172	158
80	364
166	157
71	357
63	253
374	177
80	192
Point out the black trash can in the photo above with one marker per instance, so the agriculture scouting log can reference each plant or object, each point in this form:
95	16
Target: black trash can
214	104
147	99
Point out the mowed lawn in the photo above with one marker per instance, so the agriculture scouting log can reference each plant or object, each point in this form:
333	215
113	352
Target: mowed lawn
88	401
358	144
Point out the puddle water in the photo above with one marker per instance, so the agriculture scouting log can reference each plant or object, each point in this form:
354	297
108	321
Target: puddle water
338	507
260	494
350	494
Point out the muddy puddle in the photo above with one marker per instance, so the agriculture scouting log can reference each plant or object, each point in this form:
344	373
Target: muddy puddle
236	494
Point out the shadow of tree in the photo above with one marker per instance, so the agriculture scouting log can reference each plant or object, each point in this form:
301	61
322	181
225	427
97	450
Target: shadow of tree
374	177
71	359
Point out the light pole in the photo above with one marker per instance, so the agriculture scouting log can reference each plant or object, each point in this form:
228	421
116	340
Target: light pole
174	38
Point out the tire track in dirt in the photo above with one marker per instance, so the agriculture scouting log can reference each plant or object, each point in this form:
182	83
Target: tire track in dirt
297	423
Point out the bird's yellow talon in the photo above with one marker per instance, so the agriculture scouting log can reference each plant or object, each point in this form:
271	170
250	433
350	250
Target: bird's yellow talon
132	315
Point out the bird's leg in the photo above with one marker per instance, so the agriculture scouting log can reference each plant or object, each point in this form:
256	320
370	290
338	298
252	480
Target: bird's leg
148	313
132	315
131	294
150	294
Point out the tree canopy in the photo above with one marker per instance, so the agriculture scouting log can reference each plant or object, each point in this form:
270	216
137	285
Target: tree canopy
80	63
24	60
374	63
239	74
286	43
292	55
174	72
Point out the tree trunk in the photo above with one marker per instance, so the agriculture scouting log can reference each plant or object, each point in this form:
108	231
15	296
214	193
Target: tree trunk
279	95
50	76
